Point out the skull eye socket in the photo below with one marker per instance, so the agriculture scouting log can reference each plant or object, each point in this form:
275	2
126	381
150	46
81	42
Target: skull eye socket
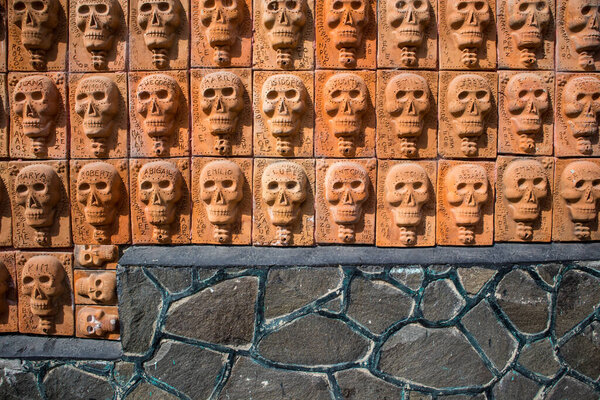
143	95
337	5
356	5
336	94
273	185
37	95
461	187
82	96
400	5
209	4
596	183
418	4
522	94
99	95
521	183
479	186
164	6
44	279
19	6
84	187
337	185
595	96
83	10
162	94
21	189
539	92
209	184
400	94
481	94
272	95
98	283
354	94
579	184
146	185
291	5
146	7
227	183
38	187
27	280
461	6
209	93
417	185
228	91
523	7
586	10
19	97
101	8
290	94
356	184
479	5
580	96
164	184
227	3
38	6
291	185
463	95
540	5
399	186
273	6
101	185
418	94
538	181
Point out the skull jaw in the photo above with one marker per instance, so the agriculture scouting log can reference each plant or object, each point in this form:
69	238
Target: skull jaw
587	40
407	216
283	215
157	39
408	127
346	214
98	127
282	126
468	127
223	125
410	36
526	124
35	128
468	38
39	217
160	216
38	38
221	35
98	40
284	38
42	307
348	126
524	211
158	127
222	214
466	215
583	213
528	38
347	37
583	126
100	216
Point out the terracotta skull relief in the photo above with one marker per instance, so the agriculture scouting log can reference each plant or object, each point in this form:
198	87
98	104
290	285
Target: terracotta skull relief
345	23
409	20
345	103
96	256
99	287
582	21
284	189
97	103
467	21
38	192
524	186
157	105
467	190
221	19
469	103
527	20
581	108
526	102
221	190
94	322
43	281
579	187
284	21
99	21
160	21
346	189
160	189
284	102
37	20
4	287
407	190
222	102
36	103
407	101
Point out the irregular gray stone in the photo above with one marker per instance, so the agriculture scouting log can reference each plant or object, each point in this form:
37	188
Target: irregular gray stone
16	383
371	269
360	384
439	358
146	391
515	386
492	336
525	303
334	305
223	313
139	307
474	278
251	381
539	357
582	352
291	288
189	369
377	304
412	395
412	277
548	272
439	269
578	295
314	340
66	382
123	372
174	279
568	388
441	301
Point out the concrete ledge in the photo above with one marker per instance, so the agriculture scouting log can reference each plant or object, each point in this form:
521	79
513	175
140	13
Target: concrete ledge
39	347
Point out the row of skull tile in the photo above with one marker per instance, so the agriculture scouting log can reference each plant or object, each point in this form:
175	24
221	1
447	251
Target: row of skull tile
478	116
345	33
37	294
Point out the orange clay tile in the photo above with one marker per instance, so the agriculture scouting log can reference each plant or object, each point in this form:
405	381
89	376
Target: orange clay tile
49	140
407	114
221	112
465	203
9	314
346	201
576	195
158	114
98	110
526	112
283	114
100	201
4	116
577	33
95	287
96	256
524	199
40	217
222	200
160	200
45	282
3	38
97	322
468	114
345	123
5	205
284	196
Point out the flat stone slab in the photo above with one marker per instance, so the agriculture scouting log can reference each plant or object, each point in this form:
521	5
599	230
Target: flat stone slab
37	347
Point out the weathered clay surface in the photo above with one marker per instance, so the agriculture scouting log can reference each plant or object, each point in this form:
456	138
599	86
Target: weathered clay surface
96	256
3	37
95	287
6	214
578	35
97	322
9	318
4	113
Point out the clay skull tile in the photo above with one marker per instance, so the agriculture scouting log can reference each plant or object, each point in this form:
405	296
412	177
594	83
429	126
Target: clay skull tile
3	37
221	33
577	115
158	114
283	114
578	31
38	117
98	110
222	112
4	116
407	114
45	282
9	314
5	205
97	35
96	256
524	199
158	34
465	203
407	34
406	203
526	112
160	200
40	203
526	34
345	120
467	34
97	322
346	201
284	195
37	35
468	115
284	34
222	200
100	201
95	287
576	195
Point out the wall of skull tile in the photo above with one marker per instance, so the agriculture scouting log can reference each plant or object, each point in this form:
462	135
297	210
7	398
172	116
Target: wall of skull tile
394	123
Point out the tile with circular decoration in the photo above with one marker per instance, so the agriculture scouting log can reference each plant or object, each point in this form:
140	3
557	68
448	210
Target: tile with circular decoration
95	287
96	256
5	205
578	35
97	322
9	314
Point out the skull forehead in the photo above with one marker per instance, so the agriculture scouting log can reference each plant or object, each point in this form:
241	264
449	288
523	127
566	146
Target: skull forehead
98	171
525	80
578	170
469	173
159	170
469	82
283	82
52	4
97	83
526	169
576	5
585	84
221	169
36	83
345	82
171	2
284	171
514	4
409	172
407	82
221	80
37	173
109	3
44	264
103	276
157	81
346	172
